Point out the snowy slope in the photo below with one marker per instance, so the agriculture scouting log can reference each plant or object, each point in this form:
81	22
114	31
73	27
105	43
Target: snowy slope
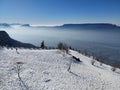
47	70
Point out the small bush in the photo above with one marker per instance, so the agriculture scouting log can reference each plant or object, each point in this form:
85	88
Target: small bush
113	69
63	47
69	67
92	62
101	63
117	65
18	67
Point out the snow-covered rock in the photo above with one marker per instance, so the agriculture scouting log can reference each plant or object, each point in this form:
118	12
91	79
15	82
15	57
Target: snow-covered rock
47	70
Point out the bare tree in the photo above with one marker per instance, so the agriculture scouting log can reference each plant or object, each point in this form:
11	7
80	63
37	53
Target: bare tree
18	67
93	62
42	45
18	70
63	47
16	50
69	67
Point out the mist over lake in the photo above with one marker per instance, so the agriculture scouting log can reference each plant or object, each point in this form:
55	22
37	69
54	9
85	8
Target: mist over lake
104	44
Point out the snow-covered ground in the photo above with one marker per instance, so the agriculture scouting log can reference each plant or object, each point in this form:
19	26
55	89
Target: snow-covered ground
47	70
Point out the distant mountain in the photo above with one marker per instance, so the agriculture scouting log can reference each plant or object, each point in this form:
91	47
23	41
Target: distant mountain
6	40
4	25
14	24
20	25
25	25
89	26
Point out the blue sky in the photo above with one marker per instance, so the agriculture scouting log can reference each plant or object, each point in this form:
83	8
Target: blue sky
56	12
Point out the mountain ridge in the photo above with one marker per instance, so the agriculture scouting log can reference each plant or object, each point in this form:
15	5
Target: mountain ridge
6	40
69	26
89	26
14	24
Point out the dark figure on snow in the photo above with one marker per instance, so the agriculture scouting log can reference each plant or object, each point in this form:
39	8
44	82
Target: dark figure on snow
42	45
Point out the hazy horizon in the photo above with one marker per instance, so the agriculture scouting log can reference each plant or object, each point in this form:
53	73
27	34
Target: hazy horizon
44	25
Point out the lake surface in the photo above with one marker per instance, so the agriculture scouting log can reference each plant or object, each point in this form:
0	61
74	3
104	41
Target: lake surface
104	44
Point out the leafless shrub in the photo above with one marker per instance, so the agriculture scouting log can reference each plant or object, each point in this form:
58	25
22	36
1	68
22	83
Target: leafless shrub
117	65
93	62
101	63
18	70
18	67
113	69
1	82
63	47
69	67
